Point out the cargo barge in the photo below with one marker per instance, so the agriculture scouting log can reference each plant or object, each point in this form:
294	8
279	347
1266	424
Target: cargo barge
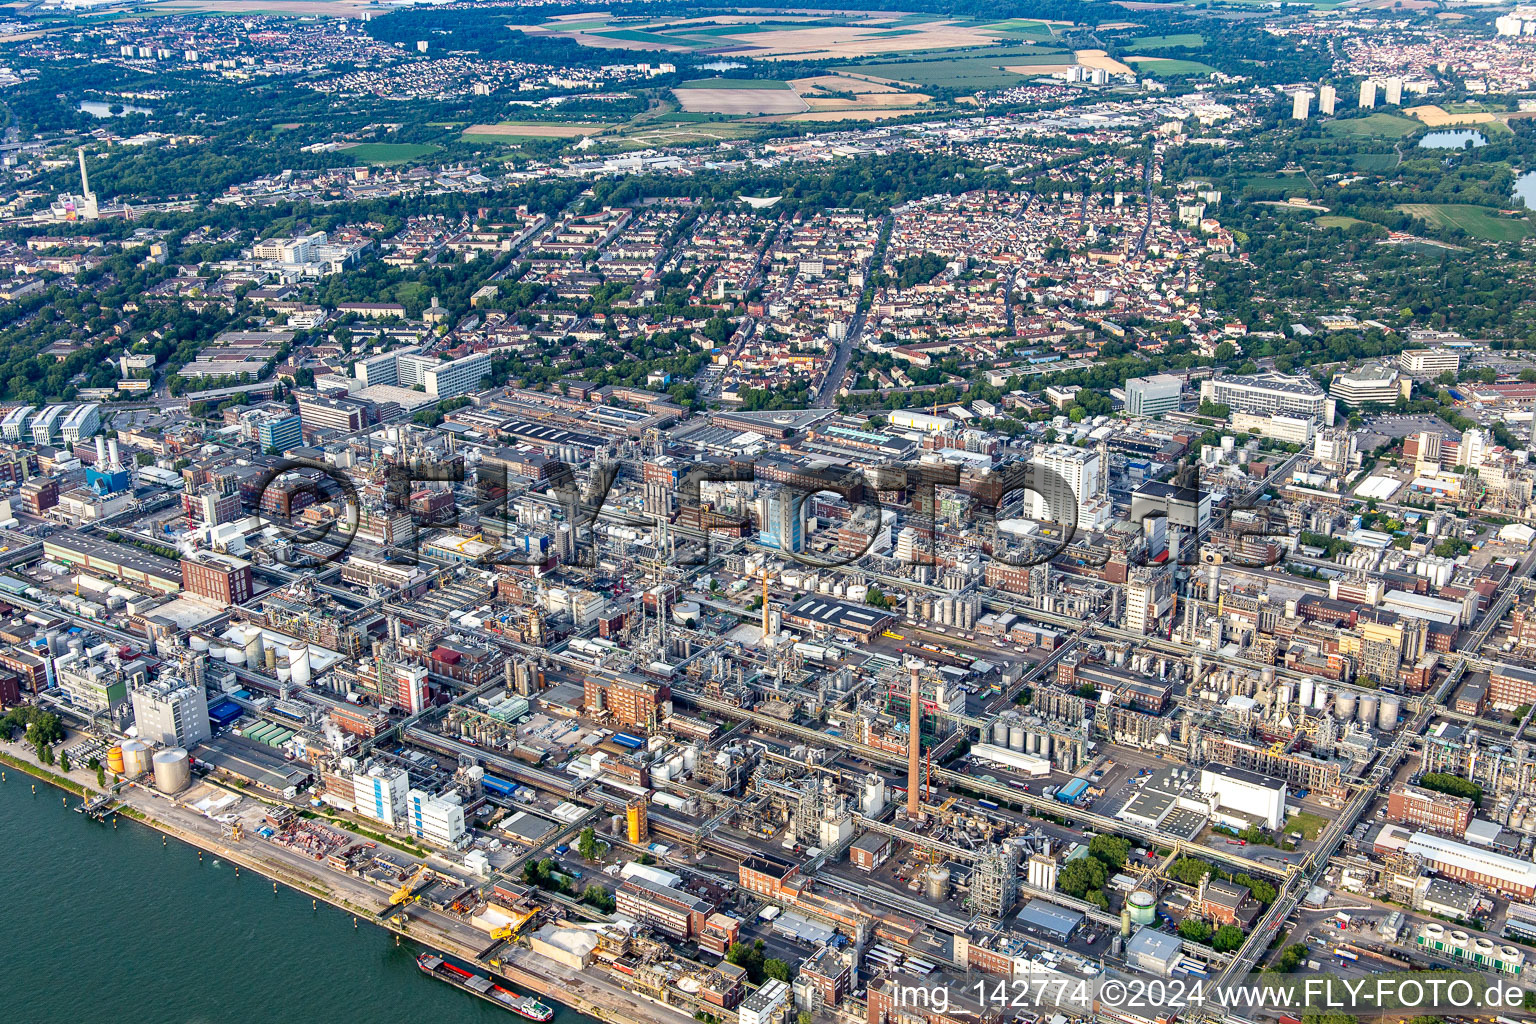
485	988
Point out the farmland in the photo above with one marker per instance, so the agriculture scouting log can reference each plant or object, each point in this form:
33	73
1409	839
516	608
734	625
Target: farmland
1165	67
735	99
966	74
384	154
1476	221
533	130
1381	126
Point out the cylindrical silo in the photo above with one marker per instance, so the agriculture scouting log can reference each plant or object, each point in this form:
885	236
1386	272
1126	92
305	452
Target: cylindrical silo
1143	907
136	758
269	657
234	655
253	649
1367	713
173	770
1320	697
1015	737
1386	719
1285	695
936	883
1000	733
115	760
1344	705
198	643
1308	686
298	662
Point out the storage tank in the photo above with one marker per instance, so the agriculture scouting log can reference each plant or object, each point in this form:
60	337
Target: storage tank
216	650
1000	733
936	883
1285	695
661	773
198	643
1308	687
269	658
115	760
1015	737
1386	719
136	758
253	649
1367	709
1143	907
298	662
1344	705
1032	742
1320	697
690	757
173	770
234	655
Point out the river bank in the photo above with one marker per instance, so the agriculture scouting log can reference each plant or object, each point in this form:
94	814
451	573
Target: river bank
572	993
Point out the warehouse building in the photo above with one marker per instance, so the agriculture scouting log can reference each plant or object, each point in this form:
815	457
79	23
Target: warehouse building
1244	798
1054	922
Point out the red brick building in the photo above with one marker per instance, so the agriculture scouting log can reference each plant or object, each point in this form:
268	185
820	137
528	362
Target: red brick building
221	578
1438	812
630	699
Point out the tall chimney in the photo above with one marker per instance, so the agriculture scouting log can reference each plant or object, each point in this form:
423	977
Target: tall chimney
116	460
914	748
101	452
85	182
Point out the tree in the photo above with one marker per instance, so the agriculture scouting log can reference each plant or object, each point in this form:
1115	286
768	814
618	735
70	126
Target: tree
1112	850
776	969
748	958
1453	785
805	1017
101	777
1194	929
1227	938
45	754
596	896
1293	957
64	761
1080	877
877	598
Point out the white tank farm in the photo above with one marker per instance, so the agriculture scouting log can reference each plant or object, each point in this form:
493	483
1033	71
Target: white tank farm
136	758
173	770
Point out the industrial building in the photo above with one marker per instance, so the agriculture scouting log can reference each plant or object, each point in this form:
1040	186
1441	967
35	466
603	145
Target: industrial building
1438	812
1266	393
1242	797
1055	922
171	712
438	820
824	615
104	557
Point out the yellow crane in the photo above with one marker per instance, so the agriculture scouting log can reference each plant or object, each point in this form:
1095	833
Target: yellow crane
408	888
512	927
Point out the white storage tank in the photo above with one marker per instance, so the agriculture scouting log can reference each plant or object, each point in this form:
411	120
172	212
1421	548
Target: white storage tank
1367	709
173	770
1308	687
199	643
234	655
690	757
136	758
1320	698
1344	705
1391	707
1015	737
298	663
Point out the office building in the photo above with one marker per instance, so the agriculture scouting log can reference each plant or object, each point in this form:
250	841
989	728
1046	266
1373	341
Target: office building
663	908
46	425
381	793
318	412
1438	812
279	433
171	712
1267	393
223	579
14	426
380	369
1429	363
443	379
632	700
781	517
1327	100
1153	396
1068	486
1301	105
1378	385
766	1005
81	423
436	819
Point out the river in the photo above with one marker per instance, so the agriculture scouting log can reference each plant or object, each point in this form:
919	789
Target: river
108	924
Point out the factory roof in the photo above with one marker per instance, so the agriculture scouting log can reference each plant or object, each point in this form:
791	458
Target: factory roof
1050	918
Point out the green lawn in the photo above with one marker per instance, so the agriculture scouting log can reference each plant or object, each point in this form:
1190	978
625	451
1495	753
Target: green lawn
1336	221
732	83
1190	39
1374	161
1476	221
386	153
1308	824
1381	126
1161	66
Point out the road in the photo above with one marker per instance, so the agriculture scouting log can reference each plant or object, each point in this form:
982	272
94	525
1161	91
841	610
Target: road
826	394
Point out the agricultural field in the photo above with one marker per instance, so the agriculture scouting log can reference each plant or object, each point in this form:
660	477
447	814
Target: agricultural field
1337	221
384	154
1167	67
966	74
1476	221
733	83
822	93
513	130
1381	126
736	99
811	37
1438	117
1193	40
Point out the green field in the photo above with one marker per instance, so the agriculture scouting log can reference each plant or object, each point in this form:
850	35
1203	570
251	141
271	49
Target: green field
1308	824
634	35
1161	66
732	83
966	75
1335	221
386	153
1374	161
1190	39
1476	221
1020	28
1381	126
